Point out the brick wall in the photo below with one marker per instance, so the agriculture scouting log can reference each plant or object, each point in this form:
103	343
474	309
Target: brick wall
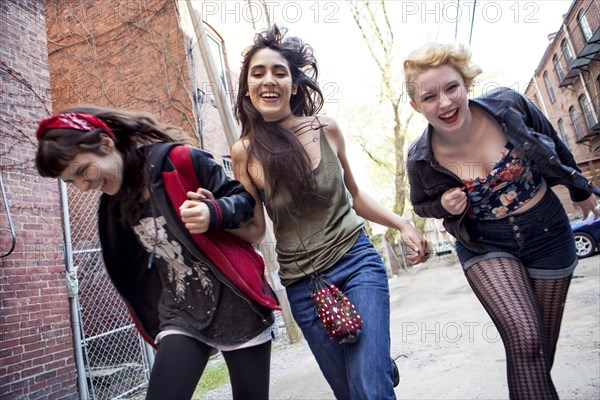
591	11
36	349
120	54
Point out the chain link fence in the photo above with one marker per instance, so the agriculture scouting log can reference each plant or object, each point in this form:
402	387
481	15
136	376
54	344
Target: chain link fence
115	357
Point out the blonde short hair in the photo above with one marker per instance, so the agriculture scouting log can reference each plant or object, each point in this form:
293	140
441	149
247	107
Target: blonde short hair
433	55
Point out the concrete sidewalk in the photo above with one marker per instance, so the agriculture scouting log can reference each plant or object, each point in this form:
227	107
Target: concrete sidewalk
447	347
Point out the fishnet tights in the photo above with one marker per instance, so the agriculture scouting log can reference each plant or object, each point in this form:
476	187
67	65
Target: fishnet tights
527	314
551	296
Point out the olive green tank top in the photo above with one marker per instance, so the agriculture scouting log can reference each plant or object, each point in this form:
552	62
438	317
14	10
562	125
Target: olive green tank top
328	224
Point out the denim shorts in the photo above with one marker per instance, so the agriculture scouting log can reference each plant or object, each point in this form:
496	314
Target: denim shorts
541	238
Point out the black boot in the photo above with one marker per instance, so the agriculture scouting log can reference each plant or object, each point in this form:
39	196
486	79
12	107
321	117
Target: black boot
395	374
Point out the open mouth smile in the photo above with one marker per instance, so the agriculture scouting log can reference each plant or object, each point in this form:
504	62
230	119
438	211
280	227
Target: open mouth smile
449	117
270	96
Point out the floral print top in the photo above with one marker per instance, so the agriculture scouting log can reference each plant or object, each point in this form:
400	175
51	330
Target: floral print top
510	185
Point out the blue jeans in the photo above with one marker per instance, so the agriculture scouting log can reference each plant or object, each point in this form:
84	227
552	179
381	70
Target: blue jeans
362	370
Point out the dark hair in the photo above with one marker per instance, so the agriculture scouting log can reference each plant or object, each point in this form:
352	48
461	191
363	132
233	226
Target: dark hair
276	148
132	129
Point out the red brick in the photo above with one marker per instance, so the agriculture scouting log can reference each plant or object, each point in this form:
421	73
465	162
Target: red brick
4	353
16	368
55	365
35	346
32	371
65	354
34	389
10	377
22	383
47	375
11	394
35	209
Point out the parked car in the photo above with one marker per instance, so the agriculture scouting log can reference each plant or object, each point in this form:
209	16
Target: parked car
587	235
442	247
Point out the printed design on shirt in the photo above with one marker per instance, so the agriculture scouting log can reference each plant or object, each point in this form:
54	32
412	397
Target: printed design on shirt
154	237
512	183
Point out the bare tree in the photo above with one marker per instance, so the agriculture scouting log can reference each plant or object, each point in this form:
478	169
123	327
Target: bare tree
375	27
266	10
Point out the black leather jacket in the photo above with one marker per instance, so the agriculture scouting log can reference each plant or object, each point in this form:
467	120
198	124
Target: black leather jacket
127	261
526	128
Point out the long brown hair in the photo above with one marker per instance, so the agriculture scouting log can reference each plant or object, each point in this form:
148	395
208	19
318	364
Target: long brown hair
132	129
278	149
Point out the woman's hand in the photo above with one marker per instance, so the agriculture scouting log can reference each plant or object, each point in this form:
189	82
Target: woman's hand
454	201
413	239
201	194
587	206
195	214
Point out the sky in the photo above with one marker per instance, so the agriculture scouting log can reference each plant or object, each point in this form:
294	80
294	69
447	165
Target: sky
508	39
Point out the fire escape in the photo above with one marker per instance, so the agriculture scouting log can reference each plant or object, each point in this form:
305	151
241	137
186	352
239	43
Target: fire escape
585	37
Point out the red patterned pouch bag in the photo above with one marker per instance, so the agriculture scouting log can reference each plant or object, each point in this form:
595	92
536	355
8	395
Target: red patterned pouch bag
336	312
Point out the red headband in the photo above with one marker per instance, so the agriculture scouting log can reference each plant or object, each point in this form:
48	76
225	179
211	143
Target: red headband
77	121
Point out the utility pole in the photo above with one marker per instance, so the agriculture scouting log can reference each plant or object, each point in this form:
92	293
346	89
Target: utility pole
225	112
232	133
267	248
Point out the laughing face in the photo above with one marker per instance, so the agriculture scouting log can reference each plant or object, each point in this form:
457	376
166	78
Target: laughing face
91	171
270	84
442	97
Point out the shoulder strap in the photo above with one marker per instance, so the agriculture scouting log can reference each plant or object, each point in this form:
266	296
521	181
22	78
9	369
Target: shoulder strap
236	259
181	158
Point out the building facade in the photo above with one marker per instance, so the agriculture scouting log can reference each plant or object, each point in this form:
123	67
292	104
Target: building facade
36	338
135	55
55	54
566	87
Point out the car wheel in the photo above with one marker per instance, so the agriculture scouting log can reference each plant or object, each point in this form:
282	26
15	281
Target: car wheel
584	244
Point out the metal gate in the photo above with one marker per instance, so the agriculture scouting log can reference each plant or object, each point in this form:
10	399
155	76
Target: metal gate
113	357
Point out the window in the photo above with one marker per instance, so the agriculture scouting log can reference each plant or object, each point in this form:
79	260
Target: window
558	68
549	87
215	44
576	127
566	50
228	166
584	26
535	100
563	132
586	109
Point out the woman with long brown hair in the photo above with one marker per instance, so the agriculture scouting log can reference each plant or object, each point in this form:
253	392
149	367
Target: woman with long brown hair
186	296
295	162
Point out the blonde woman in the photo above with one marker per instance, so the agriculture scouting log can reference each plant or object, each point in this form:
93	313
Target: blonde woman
485	166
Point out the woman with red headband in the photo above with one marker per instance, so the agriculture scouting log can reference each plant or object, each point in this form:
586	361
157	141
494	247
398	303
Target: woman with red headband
188	293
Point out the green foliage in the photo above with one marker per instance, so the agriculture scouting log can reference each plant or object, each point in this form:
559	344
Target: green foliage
217	375
419	222
212	378
376	240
